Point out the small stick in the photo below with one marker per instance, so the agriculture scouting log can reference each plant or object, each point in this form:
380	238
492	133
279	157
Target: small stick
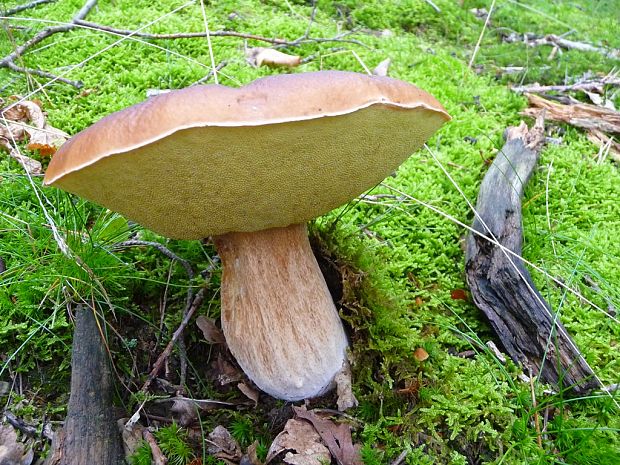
198	299
158	456
400	458
191	35
211	73
37	72
20	425
9	60
181	35
589	85
23	7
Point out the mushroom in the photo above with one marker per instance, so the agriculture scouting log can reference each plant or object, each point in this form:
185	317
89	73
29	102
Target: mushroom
250	166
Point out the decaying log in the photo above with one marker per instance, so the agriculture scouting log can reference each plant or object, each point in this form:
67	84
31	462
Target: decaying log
501	286
90	434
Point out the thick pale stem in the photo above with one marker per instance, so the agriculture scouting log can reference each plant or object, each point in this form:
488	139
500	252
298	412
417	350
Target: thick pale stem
278	316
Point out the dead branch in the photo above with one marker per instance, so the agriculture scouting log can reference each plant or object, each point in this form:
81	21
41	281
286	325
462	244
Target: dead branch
193	35
180	35
502	287
581	115
589	85
25	6
158	456
534	40
9	60
37	72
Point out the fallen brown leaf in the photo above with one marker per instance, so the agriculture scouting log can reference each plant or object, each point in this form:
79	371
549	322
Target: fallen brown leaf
259	56
251	456
223	446
27	120
337	437
301	437
210	331
249	392
30	165
225	372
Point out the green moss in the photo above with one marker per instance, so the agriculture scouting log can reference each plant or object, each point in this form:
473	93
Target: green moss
400	260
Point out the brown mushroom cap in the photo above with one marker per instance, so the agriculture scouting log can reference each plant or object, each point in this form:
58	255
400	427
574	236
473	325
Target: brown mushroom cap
284	149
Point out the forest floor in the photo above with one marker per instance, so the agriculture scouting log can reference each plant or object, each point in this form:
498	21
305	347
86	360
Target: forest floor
397	264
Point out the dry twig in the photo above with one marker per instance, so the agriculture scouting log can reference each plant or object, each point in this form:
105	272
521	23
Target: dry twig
197	302
9	60
158	456
25	6
534	40
193	35
588	85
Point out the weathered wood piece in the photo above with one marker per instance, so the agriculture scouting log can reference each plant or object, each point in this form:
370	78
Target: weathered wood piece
581	115
501	286
90	434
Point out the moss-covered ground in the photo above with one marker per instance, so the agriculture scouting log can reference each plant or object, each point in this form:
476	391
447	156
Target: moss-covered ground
402	263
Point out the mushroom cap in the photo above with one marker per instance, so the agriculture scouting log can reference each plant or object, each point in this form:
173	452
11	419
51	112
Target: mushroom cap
208	160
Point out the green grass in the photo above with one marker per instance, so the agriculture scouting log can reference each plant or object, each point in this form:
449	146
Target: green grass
400	260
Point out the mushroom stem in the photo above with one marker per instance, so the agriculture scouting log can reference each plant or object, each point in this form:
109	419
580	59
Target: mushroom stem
278	316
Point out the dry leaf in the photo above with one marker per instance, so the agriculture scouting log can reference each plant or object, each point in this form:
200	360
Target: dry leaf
210	331
249	392
420	354
336	436
251	456
26	119
301	437
226	372
223	446
12	452
43	137
184	411
259	56
382	68
46	140
30	165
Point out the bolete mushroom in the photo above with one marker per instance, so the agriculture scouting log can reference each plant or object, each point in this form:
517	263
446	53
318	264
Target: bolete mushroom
250	166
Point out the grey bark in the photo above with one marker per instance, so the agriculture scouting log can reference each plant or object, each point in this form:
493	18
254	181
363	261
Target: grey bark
502	287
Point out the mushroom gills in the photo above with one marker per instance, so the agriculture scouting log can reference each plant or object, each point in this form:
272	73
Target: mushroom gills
278	316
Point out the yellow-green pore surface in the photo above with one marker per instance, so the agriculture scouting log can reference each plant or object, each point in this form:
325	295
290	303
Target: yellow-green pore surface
255	170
